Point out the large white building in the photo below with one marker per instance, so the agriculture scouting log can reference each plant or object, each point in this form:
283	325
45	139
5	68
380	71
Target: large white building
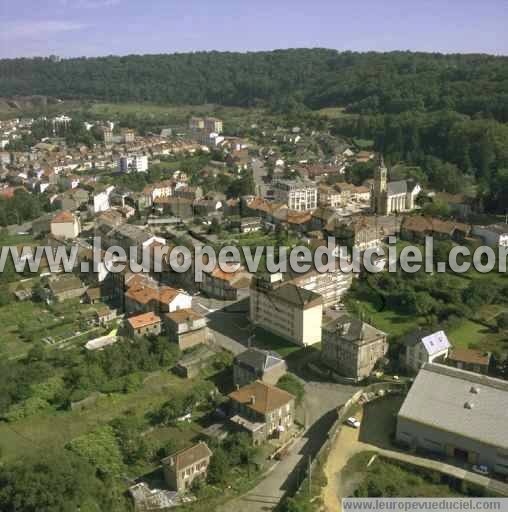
286	309
133	163
457	414
298	195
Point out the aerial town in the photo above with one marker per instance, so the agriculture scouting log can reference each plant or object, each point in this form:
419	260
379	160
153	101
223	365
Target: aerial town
253	256
245	384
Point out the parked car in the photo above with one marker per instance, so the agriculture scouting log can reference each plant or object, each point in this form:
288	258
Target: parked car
481	469
353	422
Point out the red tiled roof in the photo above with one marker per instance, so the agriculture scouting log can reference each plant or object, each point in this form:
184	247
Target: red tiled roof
143	320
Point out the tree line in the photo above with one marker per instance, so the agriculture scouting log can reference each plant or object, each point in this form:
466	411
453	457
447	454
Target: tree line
370	82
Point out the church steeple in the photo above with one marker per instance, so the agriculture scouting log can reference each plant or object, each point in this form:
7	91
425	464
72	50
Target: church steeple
380	188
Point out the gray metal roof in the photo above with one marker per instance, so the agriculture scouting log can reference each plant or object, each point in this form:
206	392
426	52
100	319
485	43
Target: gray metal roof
464	403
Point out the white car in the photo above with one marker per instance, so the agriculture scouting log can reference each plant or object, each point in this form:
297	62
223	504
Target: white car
481	469
353	422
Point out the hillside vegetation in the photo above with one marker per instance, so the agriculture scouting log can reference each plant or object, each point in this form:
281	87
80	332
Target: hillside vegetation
317	78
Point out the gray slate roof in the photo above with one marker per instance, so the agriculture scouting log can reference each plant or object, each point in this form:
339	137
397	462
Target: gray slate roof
259	360
438	398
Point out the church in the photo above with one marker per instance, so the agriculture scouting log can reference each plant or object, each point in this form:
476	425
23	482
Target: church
391	197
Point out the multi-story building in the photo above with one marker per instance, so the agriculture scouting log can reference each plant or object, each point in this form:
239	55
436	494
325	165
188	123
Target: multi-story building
352	347
330	197
184	466
133	163
286	310
457	414
127	135
186	327
196	123
213	125
263	411
331	285
298	195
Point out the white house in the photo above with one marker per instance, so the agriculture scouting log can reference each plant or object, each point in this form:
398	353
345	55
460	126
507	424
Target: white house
425	349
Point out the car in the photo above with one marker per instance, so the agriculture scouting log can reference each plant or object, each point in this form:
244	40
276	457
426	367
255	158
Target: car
481	469
353	422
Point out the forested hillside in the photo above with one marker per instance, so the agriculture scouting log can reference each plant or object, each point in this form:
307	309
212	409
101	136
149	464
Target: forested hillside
364	82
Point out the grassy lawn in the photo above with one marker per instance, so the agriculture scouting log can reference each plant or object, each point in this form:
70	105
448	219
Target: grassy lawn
268	341
391	322
469	332
334	112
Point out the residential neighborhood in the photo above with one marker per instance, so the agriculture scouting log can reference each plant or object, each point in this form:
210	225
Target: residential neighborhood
247	389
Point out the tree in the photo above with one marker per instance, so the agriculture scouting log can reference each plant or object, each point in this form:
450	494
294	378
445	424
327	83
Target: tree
56	481
219	467
292	385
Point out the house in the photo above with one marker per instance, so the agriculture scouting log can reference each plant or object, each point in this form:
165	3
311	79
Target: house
65	225
225	285
183	467
144	324
93	295
256	364
424	348
286	309
495	235
104	314
263	411
457	414
141	298
186	327
477	361
353	348
66	287
418	227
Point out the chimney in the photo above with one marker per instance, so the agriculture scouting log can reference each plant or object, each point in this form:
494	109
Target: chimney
252	399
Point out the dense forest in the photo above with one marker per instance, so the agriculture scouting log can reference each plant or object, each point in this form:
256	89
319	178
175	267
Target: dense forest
364	82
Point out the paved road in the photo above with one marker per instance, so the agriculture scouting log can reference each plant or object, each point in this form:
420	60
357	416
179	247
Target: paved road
320	403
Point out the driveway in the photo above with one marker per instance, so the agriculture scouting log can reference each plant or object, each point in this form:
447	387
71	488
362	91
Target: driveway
320	404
